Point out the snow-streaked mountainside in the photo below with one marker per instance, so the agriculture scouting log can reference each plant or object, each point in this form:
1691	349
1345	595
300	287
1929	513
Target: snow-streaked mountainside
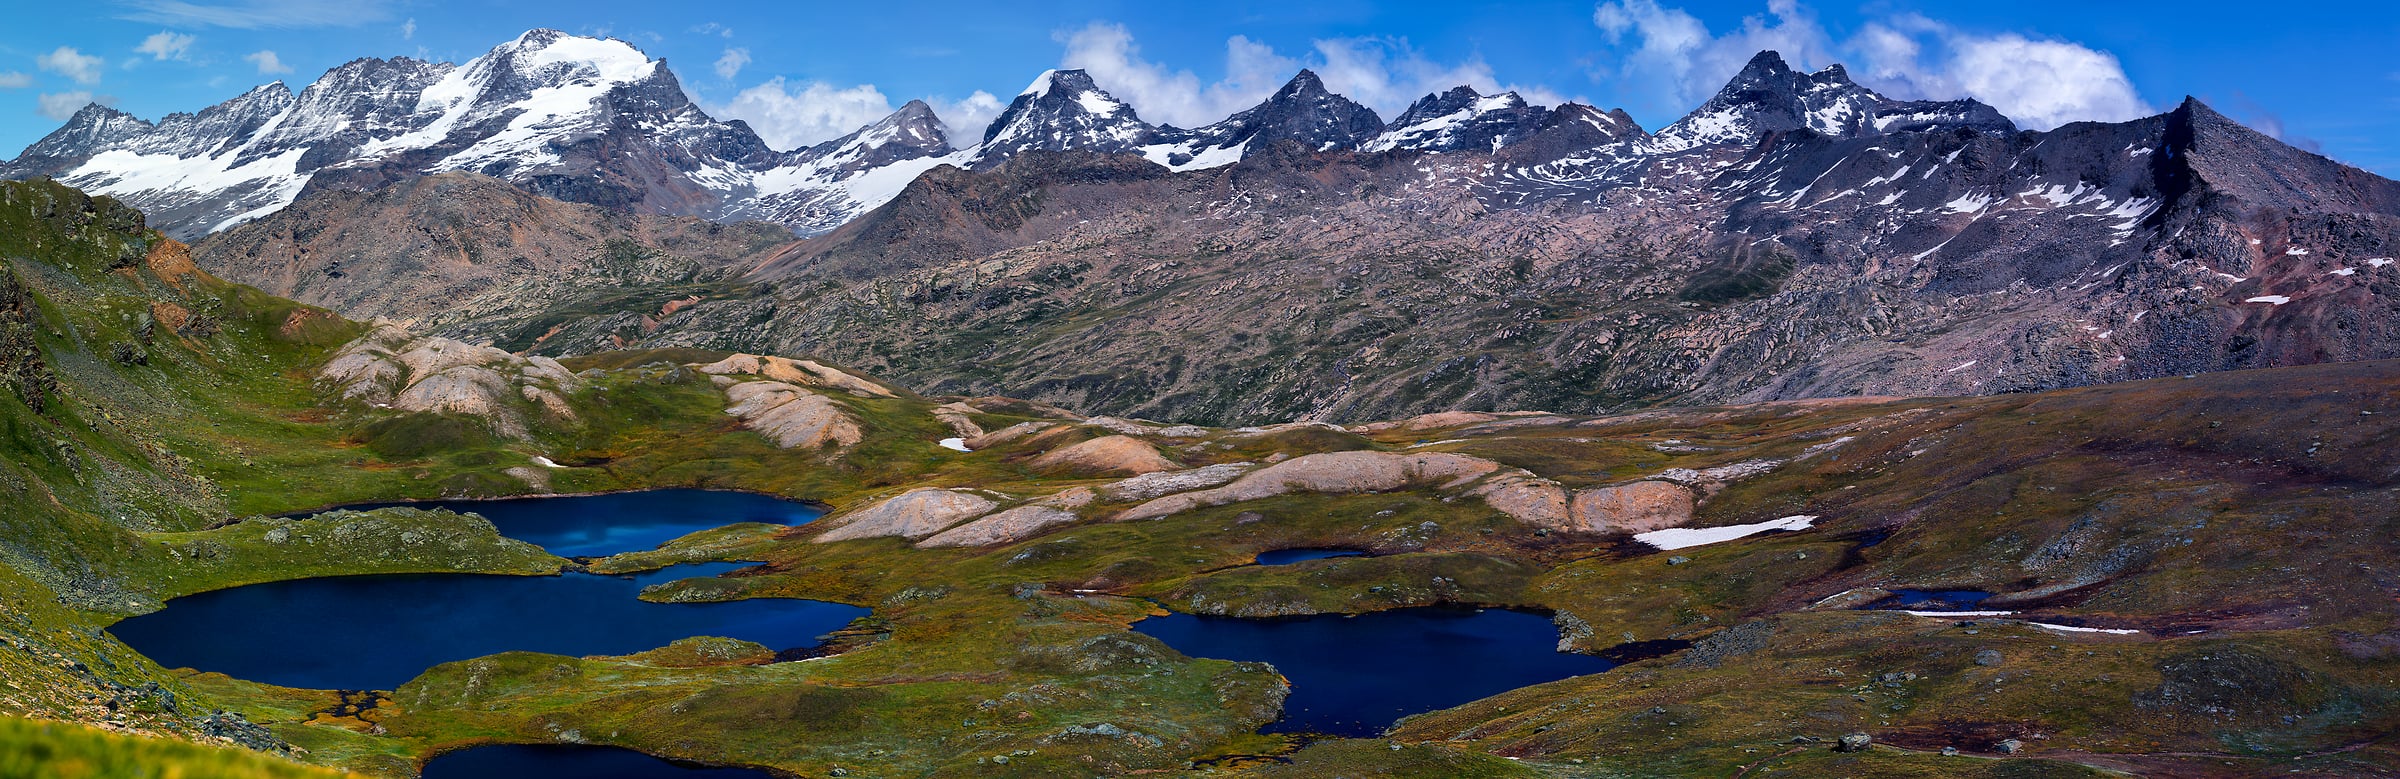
597	121
582	119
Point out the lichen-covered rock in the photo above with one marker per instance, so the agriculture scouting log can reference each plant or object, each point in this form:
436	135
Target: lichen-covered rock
1107	454
1328	472
1638	507
913	514
1005	527
387	368
1152	485
791	417
1530	499
955	415
806	373
1007	434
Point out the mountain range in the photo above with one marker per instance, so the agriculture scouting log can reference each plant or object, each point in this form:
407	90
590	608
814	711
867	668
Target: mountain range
1798	235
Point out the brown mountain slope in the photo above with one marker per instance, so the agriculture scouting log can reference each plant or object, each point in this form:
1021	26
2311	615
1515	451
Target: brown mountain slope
478	256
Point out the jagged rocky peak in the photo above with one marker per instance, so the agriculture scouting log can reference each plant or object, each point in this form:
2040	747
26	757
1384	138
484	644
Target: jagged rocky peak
93	129
1768	96
911	132
1063	110
1303	111
216	127
1461	119
1572	128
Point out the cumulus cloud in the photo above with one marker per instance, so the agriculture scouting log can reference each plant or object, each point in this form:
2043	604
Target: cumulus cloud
166	46
2041	83
1161	94
15	80
267	62
59	106
1385	74
66	61
408	29
964	120
731	63
791	115
1686	63
259	14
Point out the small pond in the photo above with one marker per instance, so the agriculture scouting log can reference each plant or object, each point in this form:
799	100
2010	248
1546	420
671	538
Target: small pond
515	761
1289	556
375	632
1354	675
1934	600
601	525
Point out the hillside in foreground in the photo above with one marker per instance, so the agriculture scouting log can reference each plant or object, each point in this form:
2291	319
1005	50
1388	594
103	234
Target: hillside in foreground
2194	569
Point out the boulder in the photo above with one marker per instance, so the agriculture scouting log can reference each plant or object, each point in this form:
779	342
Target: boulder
1006	434
791	417
955	415
806	373
913	514
1004	527
441	375
1328	472
1107	454
1639	507
1528	498
1152	485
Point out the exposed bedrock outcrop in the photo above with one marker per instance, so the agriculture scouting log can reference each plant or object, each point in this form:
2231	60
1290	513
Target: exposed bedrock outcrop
913	514
387	368
1329	472
791	417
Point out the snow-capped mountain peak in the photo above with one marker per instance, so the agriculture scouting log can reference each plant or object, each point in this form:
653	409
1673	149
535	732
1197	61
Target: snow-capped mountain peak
1767	96
1062	110
1303	112
1460	119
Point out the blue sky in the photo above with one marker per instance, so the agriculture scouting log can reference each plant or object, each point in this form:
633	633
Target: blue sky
2321	75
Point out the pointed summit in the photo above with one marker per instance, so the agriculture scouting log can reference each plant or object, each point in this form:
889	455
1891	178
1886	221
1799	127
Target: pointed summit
1461	119
93	129
1302	112
911	132
1767	96
1063	110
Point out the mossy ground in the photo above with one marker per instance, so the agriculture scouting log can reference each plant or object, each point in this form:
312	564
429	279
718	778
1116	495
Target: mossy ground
2244	521
65	750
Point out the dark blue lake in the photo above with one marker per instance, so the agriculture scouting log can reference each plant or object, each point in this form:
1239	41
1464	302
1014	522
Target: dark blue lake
1289	556
1354	676
517	761
375	632
601	525
1934	600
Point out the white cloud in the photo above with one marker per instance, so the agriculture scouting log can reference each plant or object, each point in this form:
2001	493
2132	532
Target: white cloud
15	80
713	28
166	46
408	29
267	62
258	14
1686	64
731	64
1385	74
66	61
1159	94
60	106
2040	83
790	116
965	120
